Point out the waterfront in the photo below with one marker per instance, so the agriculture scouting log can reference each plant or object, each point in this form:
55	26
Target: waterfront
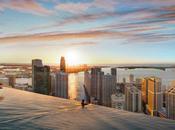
76	80
76	89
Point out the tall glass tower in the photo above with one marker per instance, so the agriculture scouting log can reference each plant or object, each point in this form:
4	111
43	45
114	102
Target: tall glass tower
62	64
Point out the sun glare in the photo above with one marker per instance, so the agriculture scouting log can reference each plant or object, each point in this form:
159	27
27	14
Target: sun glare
72	58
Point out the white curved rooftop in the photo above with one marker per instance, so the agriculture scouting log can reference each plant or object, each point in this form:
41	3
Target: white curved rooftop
31	111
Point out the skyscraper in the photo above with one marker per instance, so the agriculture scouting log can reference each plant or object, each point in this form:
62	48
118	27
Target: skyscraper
93	84
87	82
94	81
35	62
108	88
131	78
114	73
40	77
53	83
100	87
62	64
133	100
144	90
138	83
170	103
151	95
12	80
61	86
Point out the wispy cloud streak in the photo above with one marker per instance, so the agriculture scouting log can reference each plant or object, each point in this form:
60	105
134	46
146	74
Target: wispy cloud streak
24	6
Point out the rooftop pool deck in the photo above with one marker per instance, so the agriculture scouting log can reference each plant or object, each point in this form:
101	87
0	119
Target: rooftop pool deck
21	110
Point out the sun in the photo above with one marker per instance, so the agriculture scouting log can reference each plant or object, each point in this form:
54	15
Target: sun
72	58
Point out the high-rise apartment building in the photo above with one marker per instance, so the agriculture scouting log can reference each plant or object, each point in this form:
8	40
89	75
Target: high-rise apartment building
108	88
133	101
87	82
170	103
152	95
100	87
94	81
118	100
61	85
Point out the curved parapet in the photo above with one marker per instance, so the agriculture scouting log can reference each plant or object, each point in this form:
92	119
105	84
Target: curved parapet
27	110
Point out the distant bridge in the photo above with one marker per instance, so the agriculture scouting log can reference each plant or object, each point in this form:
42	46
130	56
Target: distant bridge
137	67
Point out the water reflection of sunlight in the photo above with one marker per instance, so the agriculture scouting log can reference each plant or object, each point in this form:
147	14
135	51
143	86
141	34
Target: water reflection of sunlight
73	84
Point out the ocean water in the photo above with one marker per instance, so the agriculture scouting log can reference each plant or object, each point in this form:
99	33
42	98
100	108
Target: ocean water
76	81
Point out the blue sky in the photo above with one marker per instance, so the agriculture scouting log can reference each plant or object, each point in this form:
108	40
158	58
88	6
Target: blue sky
92	31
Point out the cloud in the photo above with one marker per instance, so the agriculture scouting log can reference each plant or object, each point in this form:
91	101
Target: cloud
109	5
81	44
141	21
73	7
55	37
66	44
82	7
24	6
76	19
135	35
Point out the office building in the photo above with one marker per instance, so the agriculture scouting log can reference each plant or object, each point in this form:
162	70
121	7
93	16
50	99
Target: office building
35	62
108	88
94	81
62	64
40	77
61	85
100	87
170	103
133	101
114	72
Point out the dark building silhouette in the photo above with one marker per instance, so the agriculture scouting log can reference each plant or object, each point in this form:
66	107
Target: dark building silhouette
62	64
114	71
12	80
40	77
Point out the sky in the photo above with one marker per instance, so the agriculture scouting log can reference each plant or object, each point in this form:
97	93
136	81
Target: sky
87	31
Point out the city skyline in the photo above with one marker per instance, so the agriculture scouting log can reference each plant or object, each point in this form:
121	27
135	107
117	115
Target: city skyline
87	31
